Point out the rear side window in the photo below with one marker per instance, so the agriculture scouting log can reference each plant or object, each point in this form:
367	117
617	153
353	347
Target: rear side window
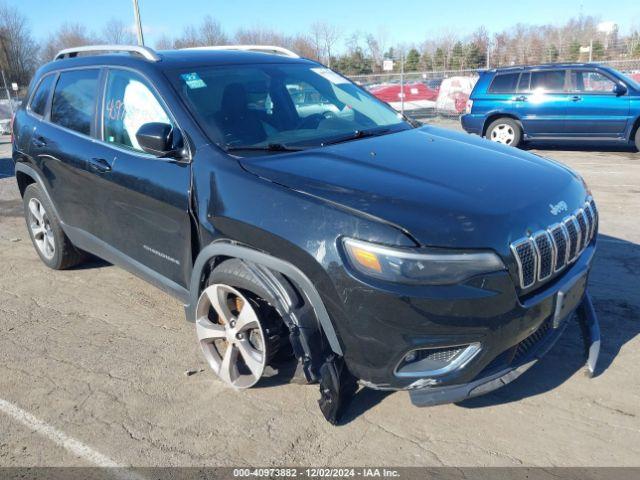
548	81
504	83
39	100
74	100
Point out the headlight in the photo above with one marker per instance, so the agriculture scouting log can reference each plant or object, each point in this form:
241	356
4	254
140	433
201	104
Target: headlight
409	266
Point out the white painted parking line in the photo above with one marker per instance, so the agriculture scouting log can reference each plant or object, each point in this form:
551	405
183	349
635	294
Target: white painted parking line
63	440
60	438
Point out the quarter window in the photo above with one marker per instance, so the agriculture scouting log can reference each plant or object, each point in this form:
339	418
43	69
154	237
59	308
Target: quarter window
523	84
505	83
129	103
39	100
548	81
74	100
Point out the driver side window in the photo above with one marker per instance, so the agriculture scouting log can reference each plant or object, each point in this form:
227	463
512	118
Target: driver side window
128	104
591	82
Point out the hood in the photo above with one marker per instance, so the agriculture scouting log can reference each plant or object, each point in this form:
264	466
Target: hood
447	189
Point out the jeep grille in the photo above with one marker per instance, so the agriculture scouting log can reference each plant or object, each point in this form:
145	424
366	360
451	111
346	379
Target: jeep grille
549	251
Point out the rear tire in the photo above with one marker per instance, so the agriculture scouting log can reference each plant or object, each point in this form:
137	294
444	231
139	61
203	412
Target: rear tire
506	131
51	243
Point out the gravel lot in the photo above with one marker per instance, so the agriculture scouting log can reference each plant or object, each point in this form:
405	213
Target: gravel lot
100	356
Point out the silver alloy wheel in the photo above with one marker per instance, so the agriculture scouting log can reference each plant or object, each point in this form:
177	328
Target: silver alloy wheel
41	229
503	133
231	336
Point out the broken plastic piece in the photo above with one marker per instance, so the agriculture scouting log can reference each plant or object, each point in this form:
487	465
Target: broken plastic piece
590	333
337	388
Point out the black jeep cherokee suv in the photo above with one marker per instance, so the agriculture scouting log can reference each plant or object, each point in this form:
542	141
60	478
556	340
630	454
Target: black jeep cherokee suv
297	216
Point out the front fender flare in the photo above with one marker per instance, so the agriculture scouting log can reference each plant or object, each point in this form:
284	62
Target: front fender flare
293	273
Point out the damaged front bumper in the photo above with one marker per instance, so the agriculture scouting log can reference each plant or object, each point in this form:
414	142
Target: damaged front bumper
429	395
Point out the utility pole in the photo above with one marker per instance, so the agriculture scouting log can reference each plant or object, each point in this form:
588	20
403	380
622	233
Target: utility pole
591	51
402	82
488	54
136	14
4	79
6	89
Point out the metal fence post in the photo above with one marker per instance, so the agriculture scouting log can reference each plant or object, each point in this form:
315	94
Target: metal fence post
402	83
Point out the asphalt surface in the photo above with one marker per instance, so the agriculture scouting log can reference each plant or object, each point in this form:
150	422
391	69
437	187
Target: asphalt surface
93	362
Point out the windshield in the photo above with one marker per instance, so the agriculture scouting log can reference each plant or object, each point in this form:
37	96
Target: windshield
277	107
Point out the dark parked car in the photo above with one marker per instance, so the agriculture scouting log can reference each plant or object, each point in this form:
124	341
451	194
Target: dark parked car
365	247
555	102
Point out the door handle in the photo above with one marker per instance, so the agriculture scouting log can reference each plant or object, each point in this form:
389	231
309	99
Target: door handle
38	141
99	165
521	98
576	98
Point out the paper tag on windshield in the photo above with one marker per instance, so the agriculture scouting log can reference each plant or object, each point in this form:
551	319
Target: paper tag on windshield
330	75
193	80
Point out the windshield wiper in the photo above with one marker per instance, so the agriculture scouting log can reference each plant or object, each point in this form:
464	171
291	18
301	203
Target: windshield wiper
374	132
271	147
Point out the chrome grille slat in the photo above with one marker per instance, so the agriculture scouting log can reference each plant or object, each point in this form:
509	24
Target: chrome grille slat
584	229
549	251
572	227
525	254
545	252
589	213
560	239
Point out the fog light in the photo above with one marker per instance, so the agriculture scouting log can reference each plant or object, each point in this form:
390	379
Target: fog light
433	362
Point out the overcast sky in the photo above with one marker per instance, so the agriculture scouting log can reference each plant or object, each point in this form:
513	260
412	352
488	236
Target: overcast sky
408	21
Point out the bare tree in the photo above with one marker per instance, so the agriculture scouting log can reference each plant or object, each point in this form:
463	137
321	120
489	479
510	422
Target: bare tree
315	38
325	37
164	42
211	32
116	32
303	46
260	36
330	35
19	50
67	36
190	38
377	47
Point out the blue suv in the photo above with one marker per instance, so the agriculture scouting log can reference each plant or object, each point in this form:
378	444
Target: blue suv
550	102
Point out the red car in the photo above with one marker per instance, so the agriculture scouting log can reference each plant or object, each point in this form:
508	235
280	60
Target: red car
412	92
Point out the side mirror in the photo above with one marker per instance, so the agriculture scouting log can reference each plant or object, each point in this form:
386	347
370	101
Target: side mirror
161	140
619	89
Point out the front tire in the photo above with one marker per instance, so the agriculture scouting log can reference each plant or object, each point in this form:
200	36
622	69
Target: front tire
638	139
239	329
52	244
506	131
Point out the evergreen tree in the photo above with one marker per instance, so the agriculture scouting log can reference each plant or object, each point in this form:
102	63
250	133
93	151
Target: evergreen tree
439	60
457	56
598	50
412	62
426	62
552	54
574	51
